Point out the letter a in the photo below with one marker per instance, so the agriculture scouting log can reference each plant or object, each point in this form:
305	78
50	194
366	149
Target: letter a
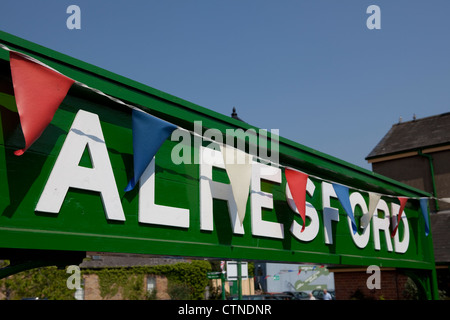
74	20
373	282
85	133
374	21
73	282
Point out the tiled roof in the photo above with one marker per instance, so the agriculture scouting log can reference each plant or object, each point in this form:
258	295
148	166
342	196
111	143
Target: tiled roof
111	260
413	135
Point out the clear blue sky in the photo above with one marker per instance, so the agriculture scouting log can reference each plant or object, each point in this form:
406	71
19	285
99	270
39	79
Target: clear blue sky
311	69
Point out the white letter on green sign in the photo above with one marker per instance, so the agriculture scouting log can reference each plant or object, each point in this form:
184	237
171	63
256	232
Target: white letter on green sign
85	132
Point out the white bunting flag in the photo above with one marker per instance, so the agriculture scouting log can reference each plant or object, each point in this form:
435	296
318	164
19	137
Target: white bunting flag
445	200
238	165
373	202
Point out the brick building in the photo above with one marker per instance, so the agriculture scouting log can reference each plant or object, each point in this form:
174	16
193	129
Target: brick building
100	260
350	283
417	153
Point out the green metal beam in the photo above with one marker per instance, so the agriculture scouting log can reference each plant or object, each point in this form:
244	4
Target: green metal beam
433	179
22	260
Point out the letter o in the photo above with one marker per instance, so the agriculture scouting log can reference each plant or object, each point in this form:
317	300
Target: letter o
361	240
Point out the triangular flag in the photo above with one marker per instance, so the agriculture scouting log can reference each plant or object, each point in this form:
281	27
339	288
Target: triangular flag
149	133
403	201
238	165
343	195
424	207
39	91
373	202
445	200
297	181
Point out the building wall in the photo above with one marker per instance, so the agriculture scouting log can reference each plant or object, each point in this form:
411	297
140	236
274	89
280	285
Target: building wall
353	285
415	171
441	162
92	288
248	286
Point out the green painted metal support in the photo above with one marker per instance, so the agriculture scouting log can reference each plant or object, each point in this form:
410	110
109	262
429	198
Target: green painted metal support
425	281
434	285
81	223
433	179
22	260
239	280
222	280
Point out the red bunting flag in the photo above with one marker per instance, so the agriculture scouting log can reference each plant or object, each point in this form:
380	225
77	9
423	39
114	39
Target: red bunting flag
297	184
402	206
38	91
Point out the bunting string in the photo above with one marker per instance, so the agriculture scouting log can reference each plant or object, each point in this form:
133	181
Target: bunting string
81	84
145	125
284	167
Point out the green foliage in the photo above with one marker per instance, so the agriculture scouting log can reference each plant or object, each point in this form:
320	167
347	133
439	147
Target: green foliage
185	281
411	292
112	280
179	291
44	283
4	263
443	278
191	275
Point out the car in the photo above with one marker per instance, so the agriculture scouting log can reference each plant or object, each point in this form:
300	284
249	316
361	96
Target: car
298	295
250	297
275	296
318	294
281	296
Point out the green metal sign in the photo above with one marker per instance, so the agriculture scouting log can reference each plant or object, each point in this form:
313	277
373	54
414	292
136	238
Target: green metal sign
214	275
67	191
